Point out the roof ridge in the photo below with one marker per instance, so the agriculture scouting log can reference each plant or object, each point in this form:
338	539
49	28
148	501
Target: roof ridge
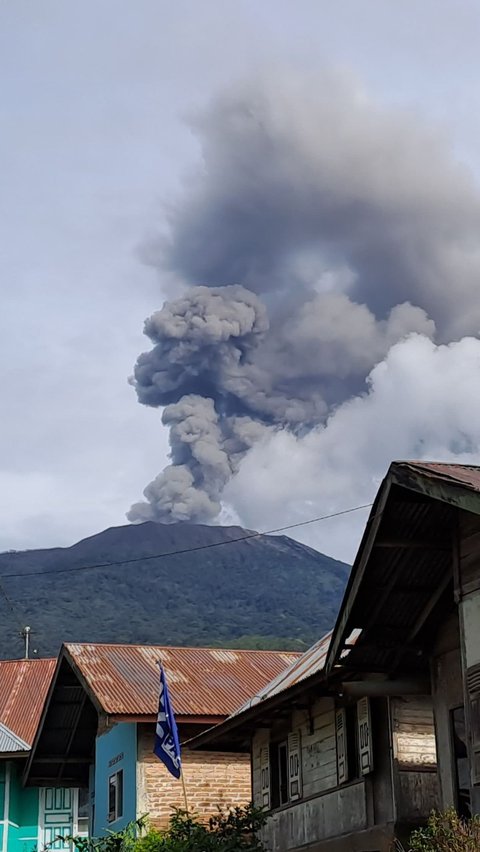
30	660
180	647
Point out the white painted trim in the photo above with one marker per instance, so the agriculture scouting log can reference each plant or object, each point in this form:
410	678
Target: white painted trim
6	806
75	811
41	812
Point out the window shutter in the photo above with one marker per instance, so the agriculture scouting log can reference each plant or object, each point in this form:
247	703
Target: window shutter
341	738
473	687
294	767
265	776
364	736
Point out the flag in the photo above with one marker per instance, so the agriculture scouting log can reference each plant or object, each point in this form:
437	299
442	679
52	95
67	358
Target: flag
167	744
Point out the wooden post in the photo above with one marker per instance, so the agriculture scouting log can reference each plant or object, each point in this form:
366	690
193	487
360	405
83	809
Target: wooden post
184	791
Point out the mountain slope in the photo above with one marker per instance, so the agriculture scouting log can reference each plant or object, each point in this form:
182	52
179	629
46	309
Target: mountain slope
267	591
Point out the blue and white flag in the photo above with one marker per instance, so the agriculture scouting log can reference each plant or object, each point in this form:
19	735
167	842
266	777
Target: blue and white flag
167	744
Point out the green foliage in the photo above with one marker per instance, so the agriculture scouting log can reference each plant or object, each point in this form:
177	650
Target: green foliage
114	841
257	642
447	832
232	831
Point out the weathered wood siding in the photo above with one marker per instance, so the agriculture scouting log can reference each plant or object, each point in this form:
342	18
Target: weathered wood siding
468	595
330	815
317	741
319	756
415	758
417	796
326	809
414	732
447	693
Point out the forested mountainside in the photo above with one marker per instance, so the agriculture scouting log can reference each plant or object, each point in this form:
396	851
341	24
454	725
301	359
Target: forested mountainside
266	591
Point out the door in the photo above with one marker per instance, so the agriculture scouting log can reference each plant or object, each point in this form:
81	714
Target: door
57	805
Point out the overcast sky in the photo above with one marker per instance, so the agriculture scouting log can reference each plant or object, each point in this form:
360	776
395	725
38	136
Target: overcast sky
94	145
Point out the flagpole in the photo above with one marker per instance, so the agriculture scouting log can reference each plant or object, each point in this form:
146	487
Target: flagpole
184	791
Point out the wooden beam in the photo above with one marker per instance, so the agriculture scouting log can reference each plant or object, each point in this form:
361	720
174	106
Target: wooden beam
386	688
414	544
63	760
76	722
39	781
429	606
383	595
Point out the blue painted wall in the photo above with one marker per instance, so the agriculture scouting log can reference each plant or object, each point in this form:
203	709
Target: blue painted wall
115	750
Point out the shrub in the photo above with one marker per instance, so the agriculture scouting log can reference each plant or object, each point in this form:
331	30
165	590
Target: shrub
447	832
234	830
114	841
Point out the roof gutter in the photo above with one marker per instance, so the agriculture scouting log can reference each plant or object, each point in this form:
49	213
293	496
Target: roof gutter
114	718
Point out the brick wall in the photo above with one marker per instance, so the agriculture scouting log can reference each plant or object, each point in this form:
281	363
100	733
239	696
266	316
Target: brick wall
211	779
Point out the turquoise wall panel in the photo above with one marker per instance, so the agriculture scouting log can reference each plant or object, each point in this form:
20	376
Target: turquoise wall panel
115	750
23	813
2	792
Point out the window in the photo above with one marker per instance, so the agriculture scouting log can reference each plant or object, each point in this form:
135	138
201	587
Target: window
460	756
115	796
278	770
353	738
285	771
347	744
352	743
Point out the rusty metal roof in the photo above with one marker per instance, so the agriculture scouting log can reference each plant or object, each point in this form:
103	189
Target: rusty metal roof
455	474
265	703
311	662
202	681
23	688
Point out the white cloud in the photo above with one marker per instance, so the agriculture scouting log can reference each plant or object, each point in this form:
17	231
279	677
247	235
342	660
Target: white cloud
423	401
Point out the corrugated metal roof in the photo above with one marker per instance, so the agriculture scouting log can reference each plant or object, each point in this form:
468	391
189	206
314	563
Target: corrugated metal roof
23	688
9	742
311	662
462	474
202	681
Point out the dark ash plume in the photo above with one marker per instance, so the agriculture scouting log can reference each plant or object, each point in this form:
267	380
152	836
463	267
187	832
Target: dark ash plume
343	229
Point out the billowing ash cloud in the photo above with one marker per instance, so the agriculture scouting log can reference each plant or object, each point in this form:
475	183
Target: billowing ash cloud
320	231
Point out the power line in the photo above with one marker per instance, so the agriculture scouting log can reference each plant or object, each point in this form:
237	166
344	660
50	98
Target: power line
184	550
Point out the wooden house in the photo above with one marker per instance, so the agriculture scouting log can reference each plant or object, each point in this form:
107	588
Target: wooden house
414	597
325	760
380	723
